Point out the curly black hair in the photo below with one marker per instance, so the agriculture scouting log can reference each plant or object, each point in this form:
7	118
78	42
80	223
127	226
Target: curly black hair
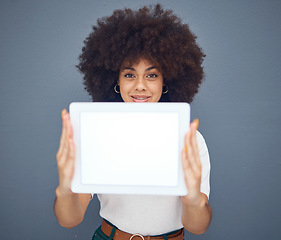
150	33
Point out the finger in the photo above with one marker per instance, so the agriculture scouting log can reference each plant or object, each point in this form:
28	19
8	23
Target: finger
185	162
66	163
190	176
71	157
68	149
186	167
187	154
188	145
192	150
64	149
194	144
69	128
196	122
63	132
64	144
69	135
71	152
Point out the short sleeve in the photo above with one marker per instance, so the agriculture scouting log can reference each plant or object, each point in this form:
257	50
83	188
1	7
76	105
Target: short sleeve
206	166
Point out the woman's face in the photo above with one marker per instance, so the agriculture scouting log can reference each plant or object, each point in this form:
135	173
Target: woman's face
141	82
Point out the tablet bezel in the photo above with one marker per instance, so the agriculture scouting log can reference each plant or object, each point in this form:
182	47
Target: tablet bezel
76	108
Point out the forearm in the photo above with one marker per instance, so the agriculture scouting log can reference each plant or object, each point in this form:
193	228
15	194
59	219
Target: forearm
196	218
68	209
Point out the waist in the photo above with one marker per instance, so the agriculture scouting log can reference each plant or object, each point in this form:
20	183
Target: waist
116	234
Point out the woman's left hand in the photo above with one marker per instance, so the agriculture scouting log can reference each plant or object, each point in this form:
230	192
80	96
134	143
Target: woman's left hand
192	167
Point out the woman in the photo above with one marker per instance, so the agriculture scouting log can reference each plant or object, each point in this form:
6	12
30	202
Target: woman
146	55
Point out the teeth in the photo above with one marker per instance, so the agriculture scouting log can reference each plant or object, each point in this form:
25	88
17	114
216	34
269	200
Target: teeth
139	98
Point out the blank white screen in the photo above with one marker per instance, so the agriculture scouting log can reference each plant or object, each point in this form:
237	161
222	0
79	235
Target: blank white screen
129	148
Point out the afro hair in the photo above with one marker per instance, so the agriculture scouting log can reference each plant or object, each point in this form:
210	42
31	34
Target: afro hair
151	33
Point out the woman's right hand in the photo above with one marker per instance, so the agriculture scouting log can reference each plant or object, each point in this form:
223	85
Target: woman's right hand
66	155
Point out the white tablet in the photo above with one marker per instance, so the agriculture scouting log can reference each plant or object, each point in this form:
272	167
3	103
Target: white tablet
129	148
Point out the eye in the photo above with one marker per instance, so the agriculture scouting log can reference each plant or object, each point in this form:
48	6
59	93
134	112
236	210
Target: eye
152	75
129	75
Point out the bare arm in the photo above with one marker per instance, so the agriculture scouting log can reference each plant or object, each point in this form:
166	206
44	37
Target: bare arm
196	218
69	207
196	213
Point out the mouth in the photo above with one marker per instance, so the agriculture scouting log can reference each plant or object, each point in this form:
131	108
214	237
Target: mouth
140	98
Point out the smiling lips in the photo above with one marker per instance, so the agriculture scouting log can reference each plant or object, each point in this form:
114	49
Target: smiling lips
140	98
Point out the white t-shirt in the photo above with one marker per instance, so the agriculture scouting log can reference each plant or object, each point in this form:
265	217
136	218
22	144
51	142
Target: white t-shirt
151	215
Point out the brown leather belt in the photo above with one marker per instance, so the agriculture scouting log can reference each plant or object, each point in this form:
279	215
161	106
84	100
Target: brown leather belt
120	235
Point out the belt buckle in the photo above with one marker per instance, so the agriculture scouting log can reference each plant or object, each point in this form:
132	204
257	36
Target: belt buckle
137	235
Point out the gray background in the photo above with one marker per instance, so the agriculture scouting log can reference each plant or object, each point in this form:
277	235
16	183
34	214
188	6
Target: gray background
238	107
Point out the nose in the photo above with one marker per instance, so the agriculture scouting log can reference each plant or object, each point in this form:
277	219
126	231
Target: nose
140	84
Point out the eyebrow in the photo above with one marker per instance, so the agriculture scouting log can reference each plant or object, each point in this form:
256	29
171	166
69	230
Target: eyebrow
132	69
